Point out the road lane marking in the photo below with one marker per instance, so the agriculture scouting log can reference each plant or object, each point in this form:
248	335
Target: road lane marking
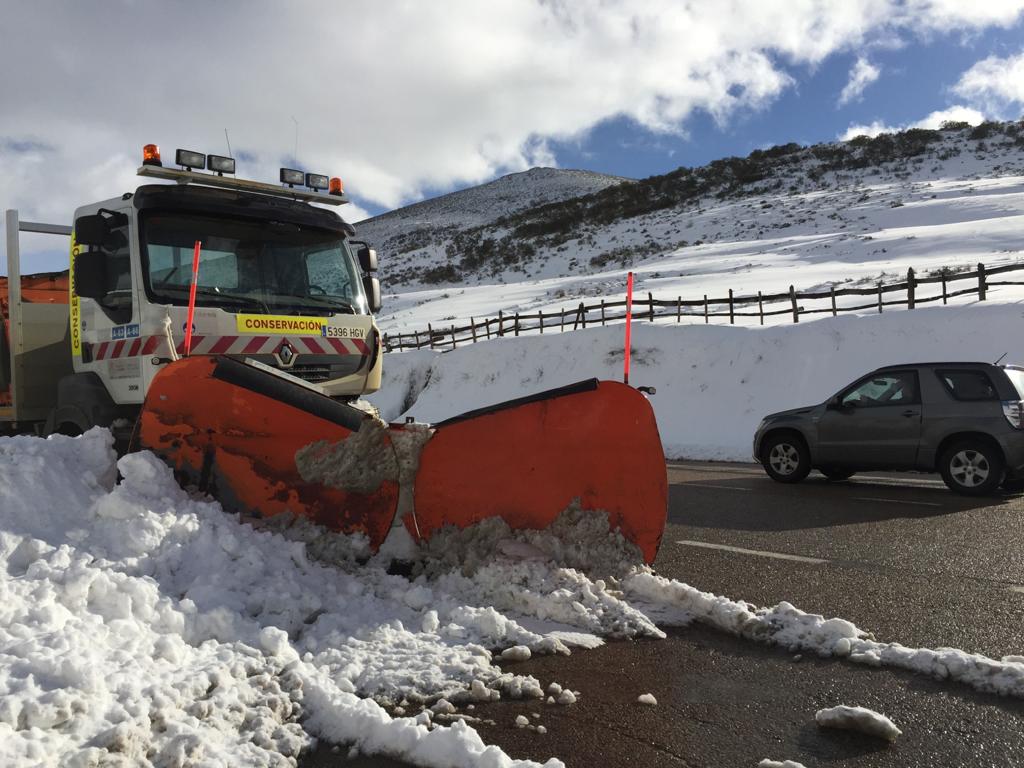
756	552
719	487
899	501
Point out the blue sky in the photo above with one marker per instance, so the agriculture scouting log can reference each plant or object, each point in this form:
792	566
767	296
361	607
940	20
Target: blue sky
916	80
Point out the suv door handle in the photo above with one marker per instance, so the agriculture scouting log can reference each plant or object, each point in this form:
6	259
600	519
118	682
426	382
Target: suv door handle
909	413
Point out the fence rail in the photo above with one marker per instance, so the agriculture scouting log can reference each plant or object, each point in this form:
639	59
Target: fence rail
732	307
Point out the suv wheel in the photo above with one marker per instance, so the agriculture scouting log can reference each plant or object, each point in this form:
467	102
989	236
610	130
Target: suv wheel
785	458
972	467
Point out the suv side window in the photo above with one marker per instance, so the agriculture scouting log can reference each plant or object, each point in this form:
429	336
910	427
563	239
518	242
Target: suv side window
969	385
890	388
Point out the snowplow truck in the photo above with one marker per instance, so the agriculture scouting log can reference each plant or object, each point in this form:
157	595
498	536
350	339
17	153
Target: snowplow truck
257	400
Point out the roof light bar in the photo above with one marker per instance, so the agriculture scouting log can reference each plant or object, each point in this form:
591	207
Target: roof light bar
191	160
316	181
291	177
220	164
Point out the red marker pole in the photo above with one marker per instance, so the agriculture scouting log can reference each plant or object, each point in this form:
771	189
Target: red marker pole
192	298
629	320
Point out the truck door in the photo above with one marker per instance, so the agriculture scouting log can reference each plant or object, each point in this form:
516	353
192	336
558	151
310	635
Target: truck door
874	423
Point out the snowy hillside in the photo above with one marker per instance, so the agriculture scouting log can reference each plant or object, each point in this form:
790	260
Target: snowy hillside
850	213
404	234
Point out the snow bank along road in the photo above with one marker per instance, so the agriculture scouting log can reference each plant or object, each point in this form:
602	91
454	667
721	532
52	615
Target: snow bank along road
714	383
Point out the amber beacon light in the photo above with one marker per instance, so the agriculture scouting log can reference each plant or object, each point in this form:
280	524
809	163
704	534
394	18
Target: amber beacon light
151	155
336	187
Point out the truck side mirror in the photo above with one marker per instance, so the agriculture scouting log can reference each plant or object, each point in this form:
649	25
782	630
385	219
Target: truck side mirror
367	259
91	230
91	274
371	285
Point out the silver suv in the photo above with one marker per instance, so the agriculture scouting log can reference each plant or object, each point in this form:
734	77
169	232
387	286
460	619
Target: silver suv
963	420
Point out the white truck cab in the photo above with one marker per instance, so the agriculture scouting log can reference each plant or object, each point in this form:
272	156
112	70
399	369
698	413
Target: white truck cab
280	281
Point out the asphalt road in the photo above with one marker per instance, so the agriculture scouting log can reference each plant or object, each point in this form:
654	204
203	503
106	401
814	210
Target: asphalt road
898	555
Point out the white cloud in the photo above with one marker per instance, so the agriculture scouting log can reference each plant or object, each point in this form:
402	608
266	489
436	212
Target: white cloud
933	121
396	97
997	83
863	74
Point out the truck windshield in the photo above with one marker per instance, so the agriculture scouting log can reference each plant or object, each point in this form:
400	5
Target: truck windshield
248	264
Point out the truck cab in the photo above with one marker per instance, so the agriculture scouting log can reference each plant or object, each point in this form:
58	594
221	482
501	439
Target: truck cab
280	281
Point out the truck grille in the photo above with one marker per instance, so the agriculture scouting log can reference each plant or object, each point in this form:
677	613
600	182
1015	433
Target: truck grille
315	373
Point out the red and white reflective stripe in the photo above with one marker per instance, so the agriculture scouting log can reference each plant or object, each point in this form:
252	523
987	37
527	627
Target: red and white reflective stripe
230	345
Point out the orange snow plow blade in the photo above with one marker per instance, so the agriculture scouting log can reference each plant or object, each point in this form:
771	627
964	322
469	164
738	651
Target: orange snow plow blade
234	431
263	445
526	460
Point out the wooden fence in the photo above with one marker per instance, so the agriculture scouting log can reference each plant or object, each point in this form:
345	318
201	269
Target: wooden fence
731	307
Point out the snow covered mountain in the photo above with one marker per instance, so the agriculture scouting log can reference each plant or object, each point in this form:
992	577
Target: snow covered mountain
850	213
410	236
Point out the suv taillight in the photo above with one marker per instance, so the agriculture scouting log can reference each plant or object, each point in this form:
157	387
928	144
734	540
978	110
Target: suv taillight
1013	410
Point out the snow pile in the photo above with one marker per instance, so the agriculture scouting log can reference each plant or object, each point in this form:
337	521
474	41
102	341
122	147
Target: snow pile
137	621
858	719
714	383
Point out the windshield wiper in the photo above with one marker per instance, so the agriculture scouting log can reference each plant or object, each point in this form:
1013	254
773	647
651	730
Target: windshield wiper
236	298
336	304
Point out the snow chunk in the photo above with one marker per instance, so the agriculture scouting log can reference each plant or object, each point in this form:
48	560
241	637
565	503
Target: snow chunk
766	763
522	721
858	719
516	653
648	699
566	697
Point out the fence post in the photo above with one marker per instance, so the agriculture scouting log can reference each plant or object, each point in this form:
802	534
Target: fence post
760	307
501	324
583	309
943	285
792	299
454	343
561	314
472	327
679	309
910	288
487	327
515	328
430	333
732	319
602	312
540	320
650	301
879	298
982	288
832	290
705	309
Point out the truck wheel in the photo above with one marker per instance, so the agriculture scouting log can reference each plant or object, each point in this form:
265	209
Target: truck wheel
785	458
972	467
837	475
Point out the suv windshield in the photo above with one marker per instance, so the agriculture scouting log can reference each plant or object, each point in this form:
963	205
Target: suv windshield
250	264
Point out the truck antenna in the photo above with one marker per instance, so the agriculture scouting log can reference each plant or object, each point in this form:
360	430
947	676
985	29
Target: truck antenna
997	362
228	140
